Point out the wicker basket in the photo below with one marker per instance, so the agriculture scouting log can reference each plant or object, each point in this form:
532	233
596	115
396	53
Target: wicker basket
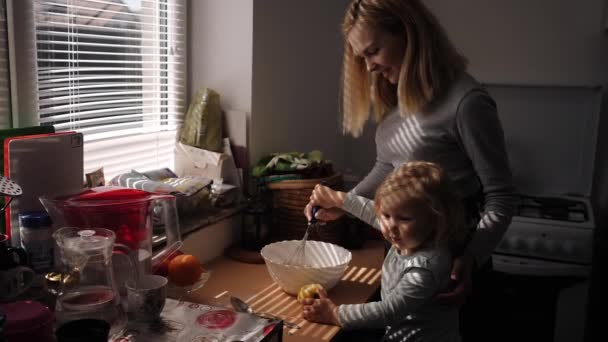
289	198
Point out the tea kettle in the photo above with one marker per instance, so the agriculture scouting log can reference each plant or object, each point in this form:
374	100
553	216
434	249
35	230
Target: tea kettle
127	212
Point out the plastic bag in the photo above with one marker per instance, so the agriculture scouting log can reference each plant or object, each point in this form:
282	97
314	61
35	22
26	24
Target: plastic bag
202	126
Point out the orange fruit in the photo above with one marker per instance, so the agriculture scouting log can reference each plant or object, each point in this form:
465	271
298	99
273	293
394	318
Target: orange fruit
185	270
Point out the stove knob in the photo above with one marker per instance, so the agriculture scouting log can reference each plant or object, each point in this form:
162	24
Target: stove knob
517	243
503	245
534	245
550	246
569	248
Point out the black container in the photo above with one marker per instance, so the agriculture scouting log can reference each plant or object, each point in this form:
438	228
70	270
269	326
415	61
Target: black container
2	322
89	330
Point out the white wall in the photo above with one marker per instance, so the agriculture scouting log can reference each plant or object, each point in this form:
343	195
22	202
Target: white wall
297	55
220	44
523	41
280	60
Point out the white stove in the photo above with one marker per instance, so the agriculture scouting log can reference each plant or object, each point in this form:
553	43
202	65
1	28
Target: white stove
551	137
548	236
543	263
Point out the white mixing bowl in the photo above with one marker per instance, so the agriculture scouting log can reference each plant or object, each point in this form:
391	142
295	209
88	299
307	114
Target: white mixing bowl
326	264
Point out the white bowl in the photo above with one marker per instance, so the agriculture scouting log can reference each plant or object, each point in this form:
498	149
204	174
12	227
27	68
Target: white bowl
326	264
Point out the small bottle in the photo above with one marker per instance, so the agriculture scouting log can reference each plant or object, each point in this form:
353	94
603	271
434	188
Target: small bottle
37	239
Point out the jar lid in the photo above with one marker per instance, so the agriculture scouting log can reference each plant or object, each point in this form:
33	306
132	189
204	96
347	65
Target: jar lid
24	315
34	219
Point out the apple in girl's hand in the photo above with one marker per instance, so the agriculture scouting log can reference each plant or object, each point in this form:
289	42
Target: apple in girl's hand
162	269
309	291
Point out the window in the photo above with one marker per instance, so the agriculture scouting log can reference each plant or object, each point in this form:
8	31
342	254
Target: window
113	70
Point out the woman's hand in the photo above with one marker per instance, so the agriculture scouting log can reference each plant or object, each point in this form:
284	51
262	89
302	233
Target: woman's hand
461	276
321	310
325	215
330	202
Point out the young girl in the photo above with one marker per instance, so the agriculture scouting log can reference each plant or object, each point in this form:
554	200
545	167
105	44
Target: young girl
419	216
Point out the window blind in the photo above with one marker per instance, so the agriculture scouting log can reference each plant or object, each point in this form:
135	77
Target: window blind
115	71
5	94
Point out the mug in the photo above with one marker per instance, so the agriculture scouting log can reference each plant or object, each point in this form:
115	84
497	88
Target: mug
146	299
15	278
15	281
10	256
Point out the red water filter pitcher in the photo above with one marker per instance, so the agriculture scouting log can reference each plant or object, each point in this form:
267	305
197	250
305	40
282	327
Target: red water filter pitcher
128	212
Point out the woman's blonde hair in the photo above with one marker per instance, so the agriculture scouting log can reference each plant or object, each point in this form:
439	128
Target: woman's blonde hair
424	186
429	66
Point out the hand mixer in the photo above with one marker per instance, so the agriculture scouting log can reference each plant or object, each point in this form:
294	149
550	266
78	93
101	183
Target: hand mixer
299	255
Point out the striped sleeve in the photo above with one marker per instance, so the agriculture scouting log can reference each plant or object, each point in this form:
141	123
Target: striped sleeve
362	208
482	137
412	291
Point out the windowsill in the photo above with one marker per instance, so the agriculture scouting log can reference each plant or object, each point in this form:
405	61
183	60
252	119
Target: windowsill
193	223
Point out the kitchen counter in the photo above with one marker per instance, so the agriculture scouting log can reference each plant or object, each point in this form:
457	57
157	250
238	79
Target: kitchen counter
252	283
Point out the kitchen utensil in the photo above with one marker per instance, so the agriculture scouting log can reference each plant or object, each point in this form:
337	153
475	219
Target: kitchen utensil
89	289
299	255
146	297
241	306
328	262
127	212
10	189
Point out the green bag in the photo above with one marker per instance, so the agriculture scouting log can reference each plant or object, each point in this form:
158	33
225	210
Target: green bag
202	125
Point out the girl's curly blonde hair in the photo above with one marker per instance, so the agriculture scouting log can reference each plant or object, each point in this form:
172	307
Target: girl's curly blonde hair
430	63
424	186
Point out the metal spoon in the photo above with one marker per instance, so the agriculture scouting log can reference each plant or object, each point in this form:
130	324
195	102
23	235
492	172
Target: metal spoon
240	306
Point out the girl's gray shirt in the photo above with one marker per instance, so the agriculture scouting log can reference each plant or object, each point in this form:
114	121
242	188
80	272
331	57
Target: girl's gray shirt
462	134
407	309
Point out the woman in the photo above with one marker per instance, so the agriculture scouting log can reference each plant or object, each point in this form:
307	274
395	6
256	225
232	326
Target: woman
399	62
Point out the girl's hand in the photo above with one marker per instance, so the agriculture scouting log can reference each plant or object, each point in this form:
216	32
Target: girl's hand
461	276
321	310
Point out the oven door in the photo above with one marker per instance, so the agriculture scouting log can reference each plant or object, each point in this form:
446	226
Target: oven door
539	300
